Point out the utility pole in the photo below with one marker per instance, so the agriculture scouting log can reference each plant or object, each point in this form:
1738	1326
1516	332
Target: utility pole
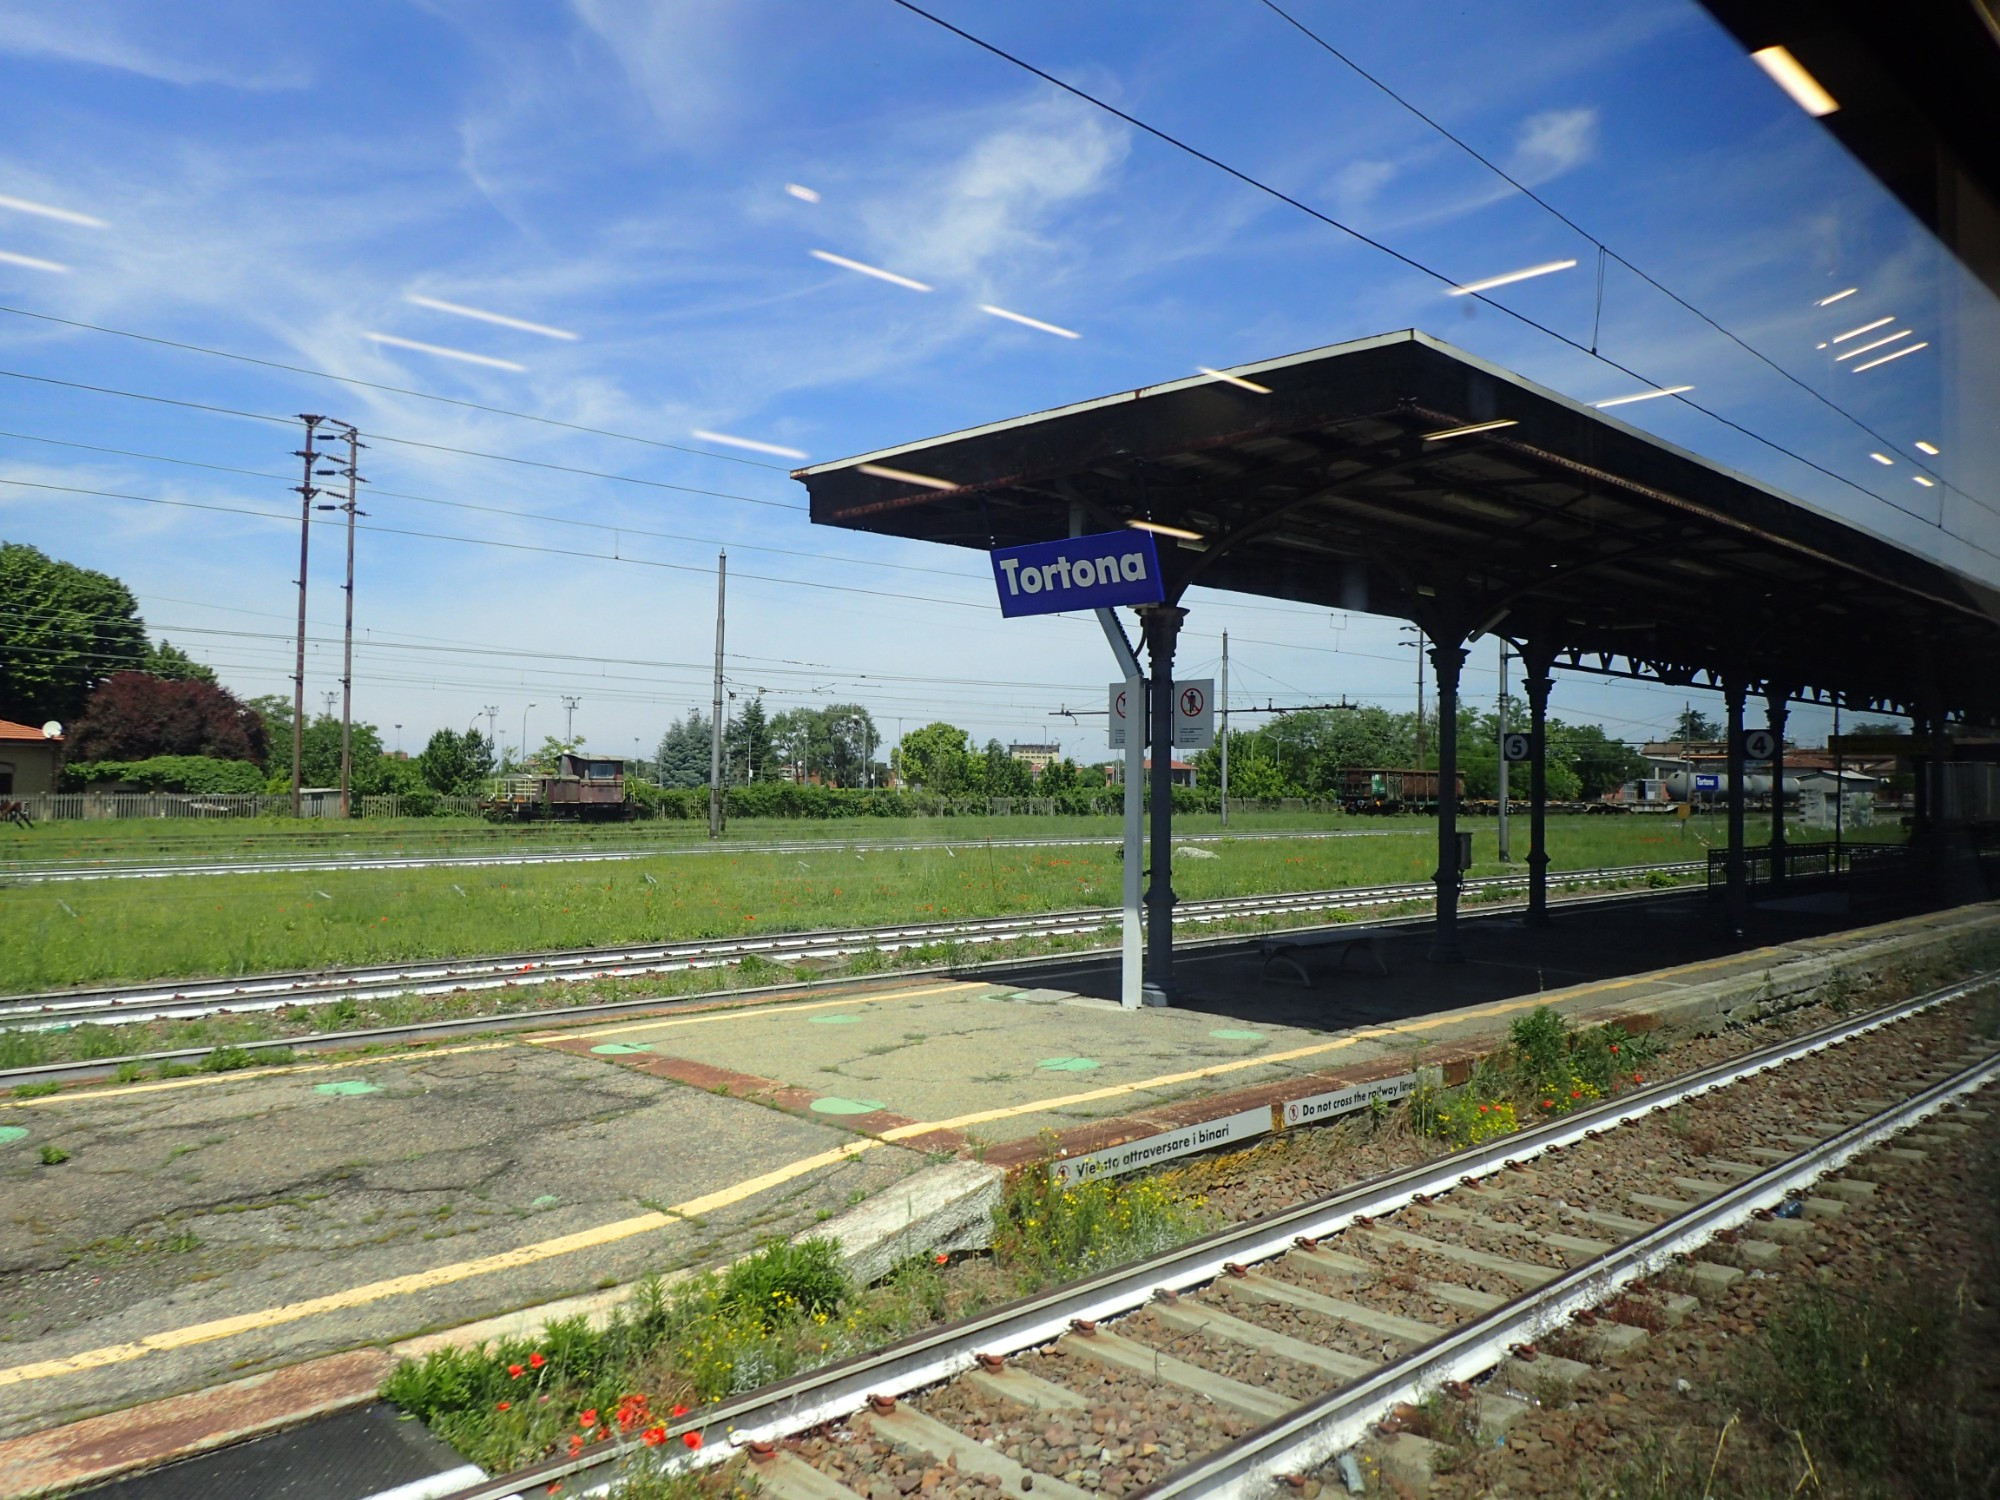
329	698
353	477
307	493
569	703
1225	729
1419	644
715	801
492	712
1506	854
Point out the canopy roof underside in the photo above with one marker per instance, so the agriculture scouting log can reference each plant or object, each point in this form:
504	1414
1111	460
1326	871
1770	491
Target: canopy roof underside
1566	529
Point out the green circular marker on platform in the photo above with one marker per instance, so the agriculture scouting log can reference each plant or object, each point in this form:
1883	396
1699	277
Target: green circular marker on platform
1229	1035
346	1086
616	1049
1069	1064
835	1020
838	1106
11	1133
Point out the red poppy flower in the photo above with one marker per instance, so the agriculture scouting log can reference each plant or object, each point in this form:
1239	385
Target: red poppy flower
1637	1079
1482	1109
515	1372
1576	1093
588	1420
1614	1048
678	1411
502	1405
535	1360
575	1445
942	1257
692	1439
652	1437
556	1488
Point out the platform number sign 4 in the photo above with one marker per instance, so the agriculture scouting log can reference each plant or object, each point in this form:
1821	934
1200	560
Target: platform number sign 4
1516	747
1759	744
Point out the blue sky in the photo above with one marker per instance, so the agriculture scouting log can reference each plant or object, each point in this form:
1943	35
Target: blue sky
255	180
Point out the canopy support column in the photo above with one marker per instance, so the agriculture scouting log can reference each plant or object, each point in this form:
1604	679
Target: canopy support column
1446	662
1163	628
1538	683
1736	873
1776	697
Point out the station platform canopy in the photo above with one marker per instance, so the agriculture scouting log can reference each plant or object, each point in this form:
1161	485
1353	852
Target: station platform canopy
1398	475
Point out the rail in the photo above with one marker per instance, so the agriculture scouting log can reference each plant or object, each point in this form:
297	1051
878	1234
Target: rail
1318	1428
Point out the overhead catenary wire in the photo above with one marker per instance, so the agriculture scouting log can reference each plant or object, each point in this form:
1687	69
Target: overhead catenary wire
501	510
1601	247
1259	185
383	437
376	385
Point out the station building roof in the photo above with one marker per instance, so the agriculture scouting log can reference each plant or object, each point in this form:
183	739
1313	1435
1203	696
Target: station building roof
1346	482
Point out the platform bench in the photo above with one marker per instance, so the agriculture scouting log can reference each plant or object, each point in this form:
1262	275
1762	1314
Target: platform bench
1290	951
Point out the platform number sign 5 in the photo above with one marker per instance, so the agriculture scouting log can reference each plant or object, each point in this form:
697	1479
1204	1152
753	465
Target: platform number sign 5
1516	747
1759	744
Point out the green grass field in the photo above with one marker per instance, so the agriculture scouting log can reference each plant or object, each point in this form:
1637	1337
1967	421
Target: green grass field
91	932
164	840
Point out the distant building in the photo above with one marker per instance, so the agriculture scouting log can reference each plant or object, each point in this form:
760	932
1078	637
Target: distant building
1181	772
1037	758
29	760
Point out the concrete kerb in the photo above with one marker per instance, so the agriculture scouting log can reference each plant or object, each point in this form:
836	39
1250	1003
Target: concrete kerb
947	1207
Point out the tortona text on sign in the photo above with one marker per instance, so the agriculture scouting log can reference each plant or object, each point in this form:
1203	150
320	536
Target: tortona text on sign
1084	572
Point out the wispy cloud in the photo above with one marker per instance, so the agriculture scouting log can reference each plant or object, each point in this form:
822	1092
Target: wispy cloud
1552	143
220	44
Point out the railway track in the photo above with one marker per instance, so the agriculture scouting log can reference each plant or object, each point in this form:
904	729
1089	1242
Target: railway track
1275	1347
190	999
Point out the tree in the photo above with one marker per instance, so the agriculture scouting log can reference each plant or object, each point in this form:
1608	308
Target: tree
276	713
1596	760
132	716
1004	776
747	753
683	753
454	764
1695	726
371	770
1057	777
938	758
169	662
66	629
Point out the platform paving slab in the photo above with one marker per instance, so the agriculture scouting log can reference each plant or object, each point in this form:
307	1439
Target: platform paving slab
255	1196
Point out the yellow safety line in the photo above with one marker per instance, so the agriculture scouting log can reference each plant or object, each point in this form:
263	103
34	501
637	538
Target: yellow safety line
756	1012
604	1234
1316	1049
413	1054
437	1276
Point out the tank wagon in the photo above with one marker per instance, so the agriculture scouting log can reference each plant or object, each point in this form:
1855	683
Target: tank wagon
584	788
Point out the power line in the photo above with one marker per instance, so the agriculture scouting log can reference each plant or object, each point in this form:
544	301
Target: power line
500	510
381	437
480	541
1571	224
1259	185
373	385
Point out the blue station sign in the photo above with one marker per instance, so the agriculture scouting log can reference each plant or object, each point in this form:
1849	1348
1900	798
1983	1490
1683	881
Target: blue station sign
1079	572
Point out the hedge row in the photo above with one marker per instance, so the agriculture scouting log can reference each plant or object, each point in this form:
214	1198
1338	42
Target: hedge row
168	773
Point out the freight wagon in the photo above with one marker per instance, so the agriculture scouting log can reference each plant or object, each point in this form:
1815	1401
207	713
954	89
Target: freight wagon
585	788
1388	789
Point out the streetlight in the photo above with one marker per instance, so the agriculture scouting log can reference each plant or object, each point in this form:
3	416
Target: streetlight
524	736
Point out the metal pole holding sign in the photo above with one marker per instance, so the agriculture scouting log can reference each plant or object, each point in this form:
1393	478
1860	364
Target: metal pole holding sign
1131	974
